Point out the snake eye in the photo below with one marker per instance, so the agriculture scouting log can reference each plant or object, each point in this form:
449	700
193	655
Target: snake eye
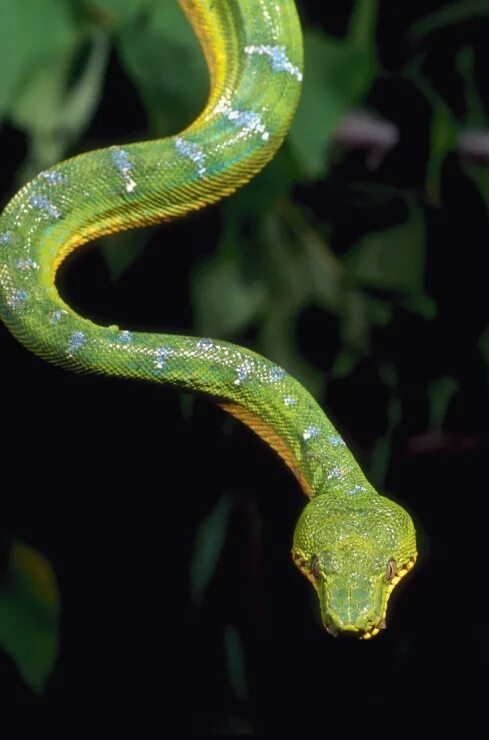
391	570
315	569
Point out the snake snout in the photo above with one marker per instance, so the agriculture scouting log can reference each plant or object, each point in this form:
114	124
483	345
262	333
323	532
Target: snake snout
348	630
351	609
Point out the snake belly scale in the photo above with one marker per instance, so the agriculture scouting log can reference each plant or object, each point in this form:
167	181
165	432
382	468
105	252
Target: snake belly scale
353	544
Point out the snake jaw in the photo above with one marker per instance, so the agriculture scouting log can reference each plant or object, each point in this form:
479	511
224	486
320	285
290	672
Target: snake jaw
382	625
301	561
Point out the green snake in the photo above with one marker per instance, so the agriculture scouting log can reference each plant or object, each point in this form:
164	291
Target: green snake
353	544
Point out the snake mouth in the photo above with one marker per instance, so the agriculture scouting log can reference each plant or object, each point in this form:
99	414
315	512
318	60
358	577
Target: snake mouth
381	624
351	630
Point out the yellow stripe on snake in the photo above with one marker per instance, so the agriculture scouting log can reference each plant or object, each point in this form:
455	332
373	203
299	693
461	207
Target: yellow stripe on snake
353	544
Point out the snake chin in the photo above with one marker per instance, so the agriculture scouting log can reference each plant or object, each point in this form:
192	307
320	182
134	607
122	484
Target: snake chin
355	632
379	625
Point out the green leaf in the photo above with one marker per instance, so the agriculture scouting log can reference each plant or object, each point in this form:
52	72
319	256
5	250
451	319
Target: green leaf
228	290
354	321
484	345
475	115
121	250
296	261
54	112
277	339
379	464
29	614
480	177
362	30
450	15
259	198
235	662
421	304
314	269
440	394
380	312
209	543
338	73
117	11
224	301
33	33
443	139
344	364
163	58
392	259
83	96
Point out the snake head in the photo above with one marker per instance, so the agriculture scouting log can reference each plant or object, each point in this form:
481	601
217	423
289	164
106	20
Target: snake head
354	550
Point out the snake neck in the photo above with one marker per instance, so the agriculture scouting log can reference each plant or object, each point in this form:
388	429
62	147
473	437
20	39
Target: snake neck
254	54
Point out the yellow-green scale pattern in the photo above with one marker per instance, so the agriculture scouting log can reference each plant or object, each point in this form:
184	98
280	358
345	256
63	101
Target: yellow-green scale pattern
253	49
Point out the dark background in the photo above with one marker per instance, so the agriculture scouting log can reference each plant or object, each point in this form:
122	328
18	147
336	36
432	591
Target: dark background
112	480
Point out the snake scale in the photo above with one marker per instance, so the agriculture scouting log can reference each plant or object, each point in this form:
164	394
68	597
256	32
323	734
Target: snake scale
352	543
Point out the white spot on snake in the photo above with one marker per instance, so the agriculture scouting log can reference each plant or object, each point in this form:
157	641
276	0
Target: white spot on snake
205	344
335	473
125	337
249	121
355	489
17	298
43	204
55	178
310	433
191	151
121	160
278	57
277	373
26	264
77	341
243	371
289	401
5	238
57	315
336	441
161	357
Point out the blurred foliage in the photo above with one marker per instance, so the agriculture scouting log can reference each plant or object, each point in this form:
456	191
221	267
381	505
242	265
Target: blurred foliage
209	543
29	612
277	255
339	74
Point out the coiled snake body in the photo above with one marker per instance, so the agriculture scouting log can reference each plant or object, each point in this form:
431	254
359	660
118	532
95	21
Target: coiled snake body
352	543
